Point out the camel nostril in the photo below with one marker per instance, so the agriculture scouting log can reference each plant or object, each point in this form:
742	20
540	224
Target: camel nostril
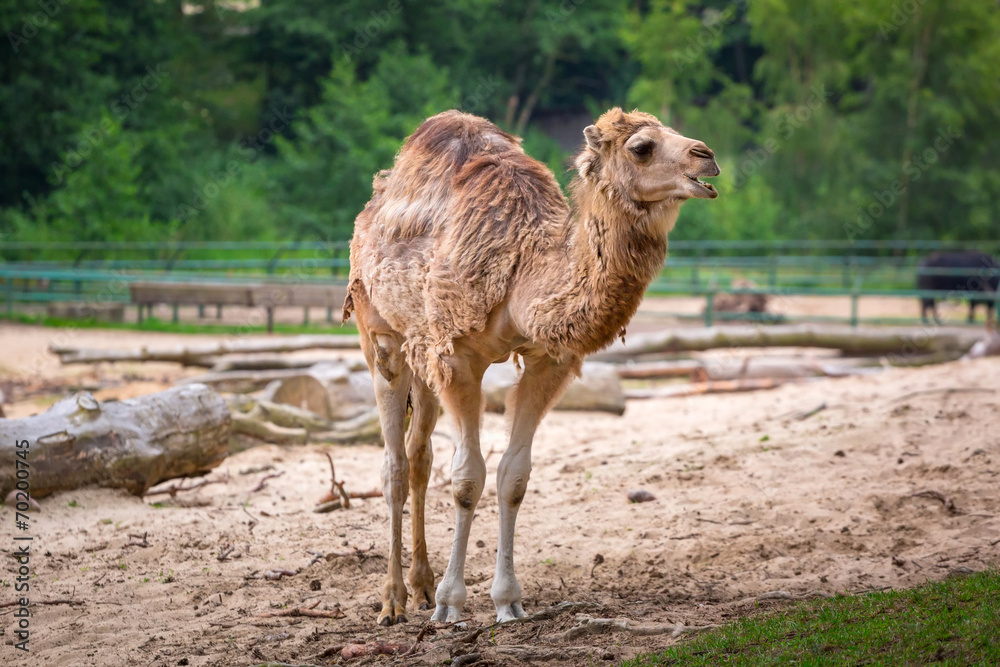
703	152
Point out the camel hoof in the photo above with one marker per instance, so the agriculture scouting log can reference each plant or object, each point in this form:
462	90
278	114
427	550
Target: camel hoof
510	612
424	606
446	614
389	619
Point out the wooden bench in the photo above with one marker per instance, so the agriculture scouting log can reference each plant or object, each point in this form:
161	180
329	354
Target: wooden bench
256	295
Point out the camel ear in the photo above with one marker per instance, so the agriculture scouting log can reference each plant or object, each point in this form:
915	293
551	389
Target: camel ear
592	134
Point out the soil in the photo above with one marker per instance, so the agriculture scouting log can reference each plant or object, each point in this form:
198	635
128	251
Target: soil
748	501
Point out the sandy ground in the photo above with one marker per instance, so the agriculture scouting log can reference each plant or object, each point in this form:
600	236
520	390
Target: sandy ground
747	501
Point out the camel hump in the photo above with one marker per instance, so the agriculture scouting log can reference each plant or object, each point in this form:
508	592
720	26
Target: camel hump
451	138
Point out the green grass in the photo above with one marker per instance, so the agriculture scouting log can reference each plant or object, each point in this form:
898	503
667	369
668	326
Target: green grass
955	622
154	324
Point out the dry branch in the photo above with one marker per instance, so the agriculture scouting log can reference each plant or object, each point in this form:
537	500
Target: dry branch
174	489
855	341
131	444
196	354
302	611
595	626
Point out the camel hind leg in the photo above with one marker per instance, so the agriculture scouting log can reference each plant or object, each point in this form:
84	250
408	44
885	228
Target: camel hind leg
538	388
420	456
392	378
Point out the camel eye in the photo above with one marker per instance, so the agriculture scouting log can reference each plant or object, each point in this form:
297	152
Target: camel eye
642	150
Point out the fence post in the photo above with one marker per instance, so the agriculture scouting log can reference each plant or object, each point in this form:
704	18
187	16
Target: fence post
10	295
854	301
709	307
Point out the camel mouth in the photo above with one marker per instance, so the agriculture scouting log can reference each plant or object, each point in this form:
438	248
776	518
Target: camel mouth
703	184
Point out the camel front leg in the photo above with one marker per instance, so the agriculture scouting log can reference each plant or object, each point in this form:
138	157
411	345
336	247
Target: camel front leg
392	385
463	398
541	383
420	455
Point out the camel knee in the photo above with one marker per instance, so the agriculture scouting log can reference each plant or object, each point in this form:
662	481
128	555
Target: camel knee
388	356
513	491
467	493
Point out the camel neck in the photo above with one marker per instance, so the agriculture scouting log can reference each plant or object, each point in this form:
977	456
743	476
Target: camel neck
613	255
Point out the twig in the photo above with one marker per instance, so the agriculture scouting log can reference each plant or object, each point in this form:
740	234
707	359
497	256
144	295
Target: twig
132	543
806	414
374	493
253	520
944	390
224	552
594	626
302	611
948	503
275	575
17	602
174	489
542	615
263	481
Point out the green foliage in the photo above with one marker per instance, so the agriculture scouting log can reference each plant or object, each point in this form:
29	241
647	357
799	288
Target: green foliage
954	622
354	131
852	119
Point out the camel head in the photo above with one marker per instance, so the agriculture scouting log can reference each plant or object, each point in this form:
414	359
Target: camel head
636	157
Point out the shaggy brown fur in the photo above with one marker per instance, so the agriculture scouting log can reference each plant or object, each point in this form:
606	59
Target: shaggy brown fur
468	251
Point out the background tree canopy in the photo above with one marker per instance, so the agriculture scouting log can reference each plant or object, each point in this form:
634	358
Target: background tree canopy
265	121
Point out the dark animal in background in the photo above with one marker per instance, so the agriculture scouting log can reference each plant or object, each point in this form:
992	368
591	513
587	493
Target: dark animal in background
977	278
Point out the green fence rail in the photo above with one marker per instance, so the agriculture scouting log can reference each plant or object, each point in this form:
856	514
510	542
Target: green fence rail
101	272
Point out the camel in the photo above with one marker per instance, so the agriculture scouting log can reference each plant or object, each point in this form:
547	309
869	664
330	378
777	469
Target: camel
468	252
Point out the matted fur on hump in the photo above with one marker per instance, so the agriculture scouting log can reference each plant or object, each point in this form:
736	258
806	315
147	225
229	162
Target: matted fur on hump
436	248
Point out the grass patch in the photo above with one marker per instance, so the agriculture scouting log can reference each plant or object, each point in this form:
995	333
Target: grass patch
954	622
154	324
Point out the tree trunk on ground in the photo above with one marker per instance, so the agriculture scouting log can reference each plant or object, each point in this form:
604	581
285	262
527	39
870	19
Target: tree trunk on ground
201	355
276	362
598	389
769	367
131	444
860	341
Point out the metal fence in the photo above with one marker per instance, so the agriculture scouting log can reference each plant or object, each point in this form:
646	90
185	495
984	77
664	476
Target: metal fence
101	272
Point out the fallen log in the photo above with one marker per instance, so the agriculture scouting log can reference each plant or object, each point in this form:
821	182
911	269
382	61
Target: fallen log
131	444
199	354
331	390
852	341
275	362
598	388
